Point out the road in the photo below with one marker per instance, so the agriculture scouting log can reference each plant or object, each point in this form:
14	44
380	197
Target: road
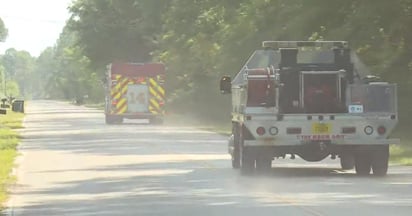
71	163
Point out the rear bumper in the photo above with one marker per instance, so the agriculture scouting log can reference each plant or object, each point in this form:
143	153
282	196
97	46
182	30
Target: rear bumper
273	142
136	115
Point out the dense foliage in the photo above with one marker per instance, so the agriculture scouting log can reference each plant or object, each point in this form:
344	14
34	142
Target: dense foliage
16	69
200	40
3	31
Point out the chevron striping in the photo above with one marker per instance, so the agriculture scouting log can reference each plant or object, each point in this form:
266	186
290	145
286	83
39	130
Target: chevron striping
123	88
121	106
156	90
122	109
154	103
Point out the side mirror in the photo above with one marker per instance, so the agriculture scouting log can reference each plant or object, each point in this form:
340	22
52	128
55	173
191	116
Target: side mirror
226	85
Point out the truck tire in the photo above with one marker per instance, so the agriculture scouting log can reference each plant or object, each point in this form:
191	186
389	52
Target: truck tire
347	162
263	164
247	158
380	160
235	160
109	119
363	161
247	161
236	147
113	119
156	121
363	166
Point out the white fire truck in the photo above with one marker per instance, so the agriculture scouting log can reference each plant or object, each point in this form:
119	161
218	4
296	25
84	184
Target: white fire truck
314	100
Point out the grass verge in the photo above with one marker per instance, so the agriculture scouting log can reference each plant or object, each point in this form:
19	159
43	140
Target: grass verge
9	139
401	154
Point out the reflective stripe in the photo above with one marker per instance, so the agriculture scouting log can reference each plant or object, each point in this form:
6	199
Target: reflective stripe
157	95
119	93
121	107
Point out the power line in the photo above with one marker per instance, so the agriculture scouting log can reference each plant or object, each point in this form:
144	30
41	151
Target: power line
56	21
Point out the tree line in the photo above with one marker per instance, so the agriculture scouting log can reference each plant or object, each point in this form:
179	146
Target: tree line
200	40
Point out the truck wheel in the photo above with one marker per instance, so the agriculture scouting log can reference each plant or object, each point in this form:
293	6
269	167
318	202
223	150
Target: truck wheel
263	164
236	159
247	158
363	161
247	162
347	162
380	160
236	148
109	119
156	121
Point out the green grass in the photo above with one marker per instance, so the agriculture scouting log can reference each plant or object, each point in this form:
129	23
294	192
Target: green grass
6	164
401	154
9	140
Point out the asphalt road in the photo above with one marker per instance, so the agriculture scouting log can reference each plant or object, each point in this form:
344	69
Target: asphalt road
71	163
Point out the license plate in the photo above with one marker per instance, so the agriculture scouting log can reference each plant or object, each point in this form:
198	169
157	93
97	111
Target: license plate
321	128
268	141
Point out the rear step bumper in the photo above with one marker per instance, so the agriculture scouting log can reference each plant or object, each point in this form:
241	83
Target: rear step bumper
331	142
137	115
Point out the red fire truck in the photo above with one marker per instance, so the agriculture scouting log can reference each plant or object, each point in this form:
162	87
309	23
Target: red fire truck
134	91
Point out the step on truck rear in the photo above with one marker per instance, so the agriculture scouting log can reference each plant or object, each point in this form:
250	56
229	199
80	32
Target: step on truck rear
314	100
134	91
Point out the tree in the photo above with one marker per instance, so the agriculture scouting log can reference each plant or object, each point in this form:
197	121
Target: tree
2	83
110	30
19	66
3	31
64	72
45	67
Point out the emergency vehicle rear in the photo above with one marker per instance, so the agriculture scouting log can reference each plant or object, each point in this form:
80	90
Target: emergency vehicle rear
135	91
314	100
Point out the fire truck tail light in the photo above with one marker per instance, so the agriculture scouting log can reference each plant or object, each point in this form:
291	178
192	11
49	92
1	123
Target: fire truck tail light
381	130
294	130
368	130
349	130
114	103
273	131
260	131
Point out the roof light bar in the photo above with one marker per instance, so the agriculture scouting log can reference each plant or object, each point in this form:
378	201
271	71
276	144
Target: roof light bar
297	44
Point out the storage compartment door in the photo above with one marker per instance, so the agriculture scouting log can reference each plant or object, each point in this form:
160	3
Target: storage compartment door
137	98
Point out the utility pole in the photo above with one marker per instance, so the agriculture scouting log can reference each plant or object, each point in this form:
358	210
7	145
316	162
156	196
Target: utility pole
5	84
